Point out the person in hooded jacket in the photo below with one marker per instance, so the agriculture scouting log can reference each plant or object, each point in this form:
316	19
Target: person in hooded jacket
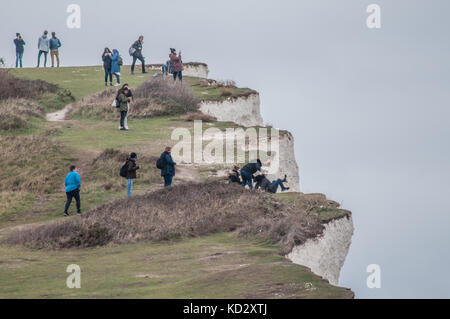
115	67
44	47
168	171
272	187
247	172
107	65
132	167
177	64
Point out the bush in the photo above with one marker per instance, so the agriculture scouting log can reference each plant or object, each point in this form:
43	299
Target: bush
181	211
225	92
198	116
177	98
13	87
16	112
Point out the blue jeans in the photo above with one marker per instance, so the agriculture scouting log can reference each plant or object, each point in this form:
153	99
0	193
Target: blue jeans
19	56
247	179
138	56
273	188
108	74
117	78
45	58
179	75
168	180
73	194
129	187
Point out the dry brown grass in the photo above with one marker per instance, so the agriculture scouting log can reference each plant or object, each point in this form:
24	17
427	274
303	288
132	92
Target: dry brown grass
16	112
182	211
156	97
198	116
31	163
13	87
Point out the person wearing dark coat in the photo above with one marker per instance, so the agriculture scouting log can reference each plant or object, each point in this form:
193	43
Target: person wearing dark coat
247	172
137	55
177	64
131	172
168	171
107	65
272	187
19	43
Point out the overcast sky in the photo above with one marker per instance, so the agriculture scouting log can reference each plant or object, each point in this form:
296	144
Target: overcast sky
369	108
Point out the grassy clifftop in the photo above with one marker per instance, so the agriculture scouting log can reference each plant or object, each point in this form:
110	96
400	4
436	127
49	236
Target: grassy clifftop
237	255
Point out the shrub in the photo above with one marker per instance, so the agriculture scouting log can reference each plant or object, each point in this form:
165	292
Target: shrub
16	112
225	92
198	116
182	211
13	87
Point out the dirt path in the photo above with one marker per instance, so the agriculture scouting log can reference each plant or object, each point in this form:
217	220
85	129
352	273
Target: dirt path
60	115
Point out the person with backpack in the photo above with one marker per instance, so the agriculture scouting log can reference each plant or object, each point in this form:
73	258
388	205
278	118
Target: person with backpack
73	184
272	187
55	44
44	47
167	166
247	172
122	102
116	63
128	171
19	43
176	64
136	53
107	66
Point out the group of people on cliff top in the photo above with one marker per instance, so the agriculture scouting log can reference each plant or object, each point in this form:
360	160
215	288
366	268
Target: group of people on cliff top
45	44
112	60
128	171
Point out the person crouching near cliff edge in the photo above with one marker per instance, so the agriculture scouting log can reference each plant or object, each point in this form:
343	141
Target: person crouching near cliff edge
247	172
234	175
167	166
73	184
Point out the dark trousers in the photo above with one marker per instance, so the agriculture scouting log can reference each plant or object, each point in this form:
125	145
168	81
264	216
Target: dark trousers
247	179
45	58
75	193
179	75
123	115
19	56
168	180
273	188
140	58
108	74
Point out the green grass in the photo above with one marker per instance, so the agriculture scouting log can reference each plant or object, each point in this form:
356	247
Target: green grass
218	266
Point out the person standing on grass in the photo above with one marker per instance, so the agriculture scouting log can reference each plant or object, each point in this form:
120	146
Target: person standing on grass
73	184
55	44
136	50
177	64
43	46
19	43
123	102
131	172
115	65
107	65
130	97
168	170
247	172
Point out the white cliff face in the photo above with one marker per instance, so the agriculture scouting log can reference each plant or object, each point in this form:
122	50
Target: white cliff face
243	110
325	255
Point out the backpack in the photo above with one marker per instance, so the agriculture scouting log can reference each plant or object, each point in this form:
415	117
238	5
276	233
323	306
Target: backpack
124	170
120	61
161	162
132	50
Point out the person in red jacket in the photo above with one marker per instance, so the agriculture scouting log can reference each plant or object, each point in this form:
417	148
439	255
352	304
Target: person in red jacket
177	64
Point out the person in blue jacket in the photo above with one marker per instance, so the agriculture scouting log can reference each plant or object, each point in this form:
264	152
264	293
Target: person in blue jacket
54	45
168	171
73	184
115	66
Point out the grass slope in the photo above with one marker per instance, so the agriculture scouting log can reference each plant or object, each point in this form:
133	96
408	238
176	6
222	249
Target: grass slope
213	266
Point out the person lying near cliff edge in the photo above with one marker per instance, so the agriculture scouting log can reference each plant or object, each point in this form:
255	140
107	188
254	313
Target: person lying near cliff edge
268	186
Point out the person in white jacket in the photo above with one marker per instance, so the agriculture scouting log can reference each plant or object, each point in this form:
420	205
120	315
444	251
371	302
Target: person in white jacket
44	47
